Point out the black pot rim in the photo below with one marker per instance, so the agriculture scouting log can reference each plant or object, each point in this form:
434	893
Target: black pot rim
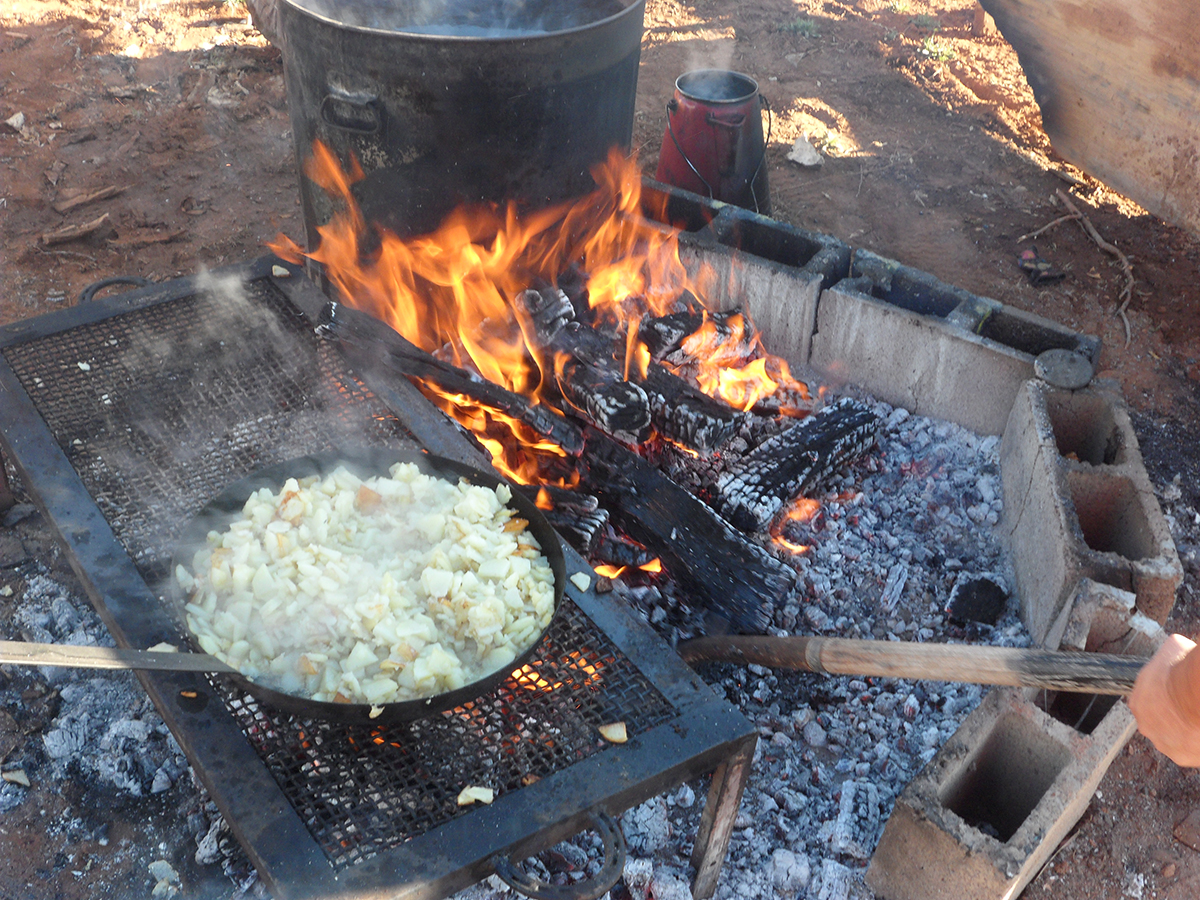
438	37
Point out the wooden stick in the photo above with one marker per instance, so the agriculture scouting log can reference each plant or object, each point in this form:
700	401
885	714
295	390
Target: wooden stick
74	199
1088	673
31	654
1048	226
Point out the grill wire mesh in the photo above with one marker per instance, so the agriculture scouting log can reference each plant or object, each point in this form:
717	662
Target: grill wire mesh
159	408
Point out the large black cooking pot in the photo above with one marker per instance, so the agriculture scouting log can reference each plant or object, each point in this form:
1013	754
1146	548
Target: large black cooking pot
365	462
476	101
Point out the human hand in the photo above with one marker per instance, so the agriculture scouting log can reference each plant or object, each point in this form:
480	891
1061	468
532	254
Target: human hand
1166	700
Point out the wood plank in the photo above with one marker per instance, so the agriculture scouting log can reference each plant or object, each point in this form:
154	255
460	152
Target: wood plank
78	657
1118	84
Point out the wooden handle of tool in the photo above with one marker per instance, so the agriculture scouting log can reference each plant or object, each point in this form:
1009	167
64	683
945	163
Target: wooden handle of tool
31	654
1087	673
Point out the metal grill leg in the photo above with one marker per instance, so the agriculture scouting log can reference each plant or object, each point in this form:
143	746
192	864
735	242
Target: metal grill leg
7	499
716	822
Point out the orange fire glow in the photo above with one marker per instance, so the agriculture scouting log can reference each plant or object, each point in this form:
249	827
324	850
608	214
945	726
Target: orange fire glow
450	292
591	670
803	509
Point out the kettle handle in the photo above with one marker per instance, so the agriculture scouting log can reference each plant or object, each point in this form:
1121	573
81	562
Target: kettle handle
672	105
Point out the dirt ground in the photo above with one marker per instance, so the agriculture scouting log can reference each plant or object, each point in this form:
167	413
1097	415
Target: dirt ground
933	155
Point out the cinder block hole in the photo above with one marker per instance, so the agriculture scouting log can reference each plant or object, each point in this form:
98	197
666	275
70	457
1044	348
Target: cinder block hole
1021	334
1083	712
1086	429
998	785
769	241
1111	515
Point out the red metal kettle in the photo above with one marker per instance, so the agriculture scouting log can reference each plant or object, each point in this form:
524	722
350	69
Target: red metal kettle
713	143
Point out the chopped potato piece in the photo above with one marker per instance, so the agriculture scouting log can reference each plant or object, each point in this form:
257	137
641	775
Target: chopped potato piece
614	733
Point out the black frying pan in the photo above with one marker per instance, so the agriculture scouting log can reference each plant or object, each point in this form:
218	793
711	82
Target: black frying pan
365	462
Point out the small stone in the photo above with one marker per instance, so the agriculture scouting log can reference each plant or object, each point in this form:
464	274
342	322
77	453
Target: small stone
789	873
805	154
814	735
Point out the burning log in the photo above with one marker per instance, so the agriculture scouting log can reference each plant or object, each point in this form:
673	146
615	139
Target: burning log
601	397
727	575
592	370
576	516
686	415
752	490
588	375
681	337
388	347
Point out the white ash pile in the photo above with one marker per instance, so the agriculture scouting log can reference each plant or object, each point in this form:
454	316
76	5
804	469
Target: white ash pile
95	737
894	535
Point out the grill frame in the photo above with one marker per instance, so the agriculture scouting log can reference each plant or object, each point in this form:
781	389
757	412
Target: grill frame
707	735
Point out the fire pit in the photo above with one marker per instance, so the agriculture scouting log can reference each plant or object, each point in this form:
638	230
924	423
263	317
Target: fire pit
110	468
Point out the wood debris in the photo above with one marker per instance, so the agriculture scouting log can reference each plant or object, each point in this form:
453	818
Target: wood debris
76	197
74	232
146	238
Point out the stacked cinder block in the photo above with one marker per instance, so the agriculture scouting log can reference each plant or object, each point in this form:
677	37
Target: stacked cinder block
1079	504
935	349
1096	571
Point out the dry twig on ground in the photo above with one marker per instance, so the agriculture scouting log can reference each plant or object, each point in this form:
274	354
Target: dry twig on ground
1111	250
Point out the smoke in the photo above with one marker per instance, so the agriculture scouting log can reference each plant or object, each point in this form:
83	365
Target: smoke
709	55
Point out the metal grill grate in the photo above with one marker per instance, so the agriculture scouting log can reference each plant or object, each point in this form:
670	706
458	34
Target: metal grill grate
159	408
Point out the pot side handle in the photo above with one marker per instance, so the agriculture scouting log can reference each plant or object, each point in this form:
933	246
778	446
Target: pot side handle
355	112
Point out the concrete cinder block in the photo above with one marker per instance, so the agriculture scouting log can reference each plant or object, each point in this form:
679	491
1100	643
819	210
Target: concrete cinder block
982	818
935	349
1079	504
711	221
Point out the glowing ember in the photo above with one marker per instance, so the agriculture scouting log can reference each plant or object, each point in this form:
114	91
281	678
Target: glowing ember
803	509
654	567
450	293
529	678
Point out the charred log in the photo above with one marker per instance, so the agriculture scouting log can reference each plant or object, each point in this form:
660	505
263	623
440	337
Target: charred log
603	398
677	410
576	516
384	346
751	492
736	581
681	337
616	550
687	415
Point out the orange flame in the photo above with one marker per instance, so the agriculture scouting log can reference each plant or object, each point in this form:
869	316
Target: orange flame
803	509
450	292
